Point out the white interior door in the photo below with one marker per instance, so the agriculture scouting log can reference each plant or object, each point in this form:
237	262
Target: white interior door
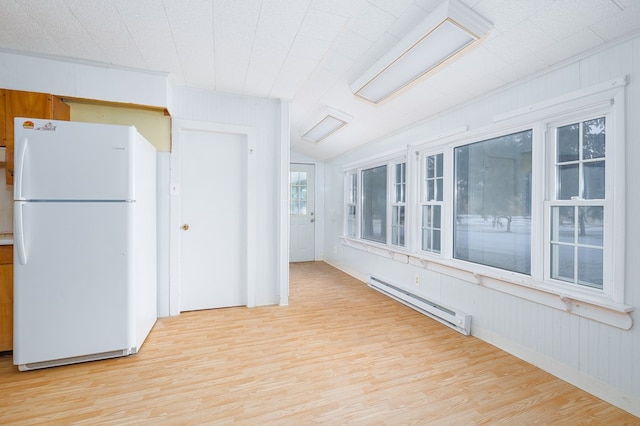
213	212
302	212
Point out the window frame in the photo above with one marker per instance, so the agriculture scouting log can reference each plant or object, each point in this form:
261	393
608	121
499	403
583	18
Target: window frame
394	203
389	161
351	196
613	203
423	201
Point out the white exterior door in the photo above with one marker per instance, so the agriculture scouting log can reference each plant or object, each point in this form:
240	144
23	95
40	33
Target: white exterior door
213	213
302	212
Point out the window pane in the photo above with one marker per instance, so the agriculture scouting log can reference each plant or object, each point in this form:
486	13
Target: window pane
426	240
562	224
436	217
293	209
563	263
430	227
431	166
590	266
426	217
400	193
353	185
594	181
436	241
493	202
568	143
433	178
302	209
400	178
351	221
568	176
374	200
397	225
591	226
430	190
594	138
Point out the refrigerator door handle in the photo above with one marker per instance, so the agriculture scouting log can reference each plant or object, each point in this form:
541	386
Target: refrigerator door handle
19	167
19	234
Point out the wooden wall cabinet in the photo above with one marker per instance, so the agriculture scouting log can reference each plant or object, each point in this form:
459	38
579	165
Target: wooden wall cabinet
6	298
28	104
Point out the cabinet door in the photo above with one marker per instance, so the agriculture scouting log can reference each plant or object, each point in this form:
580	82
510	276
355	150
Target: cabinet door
32	105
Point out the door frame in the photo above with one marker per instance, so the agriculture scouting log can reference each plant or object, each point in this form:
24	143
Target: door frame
250	133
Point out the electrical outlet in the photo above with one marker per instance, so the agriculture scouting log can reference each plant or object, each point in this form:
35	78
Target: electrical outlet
416	280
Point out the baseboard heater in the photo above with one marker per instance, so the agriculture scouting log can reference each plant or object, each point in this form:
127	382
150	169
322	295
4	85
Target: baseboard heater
459	321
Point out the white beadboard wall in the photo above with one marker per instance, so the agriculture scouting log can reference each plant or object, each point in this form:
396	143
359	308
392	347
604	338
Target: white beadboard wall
599	358
264	115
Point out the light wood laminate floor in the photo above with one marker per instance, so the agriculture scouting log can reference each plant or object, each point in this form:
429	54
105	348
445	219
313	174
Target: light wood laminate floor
341	353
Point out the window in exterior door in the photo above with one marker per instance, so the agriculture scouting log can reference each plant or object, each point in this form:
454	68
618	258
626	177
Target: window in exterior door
298	193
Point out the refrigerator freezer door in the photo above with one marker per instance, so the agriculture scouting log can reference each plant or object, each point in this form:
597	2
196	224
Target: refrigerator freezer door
72	292
61	160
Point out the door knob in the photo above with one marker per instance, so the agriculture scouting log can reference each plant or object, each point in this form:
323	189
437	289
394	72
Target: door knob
313	220
185	227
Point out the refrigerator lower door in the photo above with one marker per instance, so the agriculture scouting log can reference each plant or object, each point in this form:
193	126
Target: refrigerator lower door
72	275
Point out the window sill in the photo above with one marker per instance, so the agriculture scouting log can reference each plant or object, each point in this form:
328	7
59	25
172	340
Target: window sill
585	305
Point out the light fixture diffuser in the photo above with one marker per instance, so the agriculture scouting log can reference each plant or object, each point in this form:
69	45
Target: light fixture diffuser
331	121
446	31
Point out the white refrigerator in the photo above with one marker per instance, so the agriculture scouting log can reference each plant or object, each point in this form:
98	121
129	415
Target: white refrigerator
84	242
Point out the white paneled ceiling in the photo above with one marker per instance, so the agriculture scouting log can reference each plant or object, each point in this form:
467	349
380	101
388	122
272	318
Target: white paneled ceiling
309	51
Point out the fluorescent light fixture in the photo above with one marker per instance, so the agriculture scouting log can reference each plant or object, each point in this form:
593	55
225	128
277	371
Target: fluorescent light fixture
331	121
446	31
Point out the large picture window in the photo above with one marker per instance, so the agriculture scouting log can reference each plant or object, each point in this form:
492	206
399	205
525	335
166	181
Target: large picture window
493	202
374	204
